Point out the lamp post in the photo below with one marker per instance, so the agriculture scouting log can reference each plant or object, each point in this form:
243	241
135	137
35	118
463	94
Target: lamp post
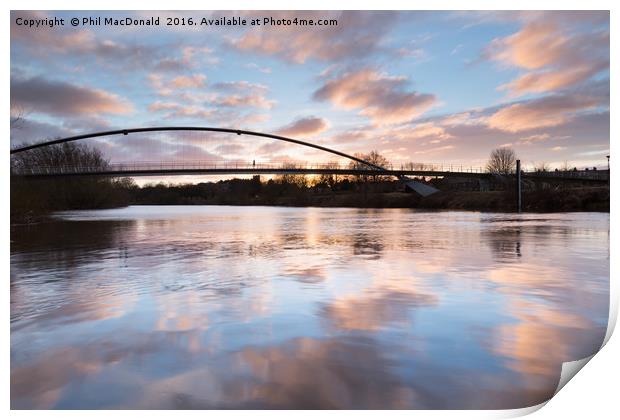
608	172
518	185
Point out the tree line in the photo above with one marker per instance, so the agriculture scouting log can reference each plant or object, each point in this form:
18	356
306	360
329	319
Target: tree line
40	196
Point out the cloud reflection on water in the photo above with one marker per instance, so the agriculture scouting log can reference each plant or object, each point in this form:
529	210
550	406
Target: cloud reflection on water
209	307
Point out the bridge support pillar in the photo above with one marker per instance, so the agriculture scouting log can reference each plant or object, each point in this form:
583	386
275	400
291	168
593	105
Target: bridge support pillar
518	178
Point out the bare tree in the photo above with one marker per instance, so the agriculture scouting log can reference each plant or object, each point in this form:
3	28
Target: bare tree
69	156
17	117
374	158
331	180
542	167
300	180
502	161
415	166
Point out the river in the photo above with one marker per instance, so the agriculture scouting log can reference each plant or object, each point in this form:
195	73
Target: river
276	307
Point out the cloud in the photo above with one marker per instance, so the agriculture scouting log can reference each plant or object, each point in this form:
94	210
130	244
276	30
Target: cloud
426	130
416	53
384	99
537	45
193	81
193	100
549	111
195	153
64	99
174	109
230	149
254	66
352	136
372	312
459	118
232	117
560	17
242	93
269	149
168	87
48	40
32	131
546	81
45	42
434	150
190	57
357	35
304	127
236	101
236	94
241	86
553	55
467	137
98	45
535	137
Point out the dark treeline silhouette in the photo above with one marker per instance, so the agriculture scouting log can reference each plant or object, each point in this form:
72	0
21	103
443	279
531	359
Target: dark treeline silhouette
290	189
287	189
32	198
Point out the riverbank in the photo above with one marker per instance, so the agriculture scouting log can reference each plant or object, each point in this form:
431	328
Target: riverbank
543	201
29	205
32	201
573	200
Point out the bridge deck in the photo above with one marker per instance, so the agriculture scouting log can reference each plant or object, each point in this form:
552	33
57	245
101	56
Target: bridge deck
240	171
165	169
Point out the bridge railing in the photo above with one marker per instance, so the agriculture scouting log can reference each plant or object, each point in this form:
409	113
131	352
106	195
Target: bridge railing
237	165
442	167
172	165
245	167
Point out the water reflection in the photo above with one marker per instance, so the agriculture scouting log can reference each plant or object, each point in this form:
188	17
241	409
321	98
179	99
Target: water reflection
225	307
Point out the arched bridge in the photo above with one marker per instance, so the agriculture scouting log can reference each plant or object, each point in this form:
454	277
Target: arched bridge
56	168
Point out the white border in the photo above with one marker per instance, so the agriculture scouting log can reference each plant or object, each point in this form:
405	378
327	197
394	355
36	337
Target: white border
593	394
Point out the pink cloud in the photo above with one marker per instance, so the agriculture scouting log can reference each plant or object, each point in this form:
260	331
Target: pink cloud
429	130
190	57
304	127
256	101
192	91
174	109
47	42
193	81
547	81
357	34
550	111
537	45
553	56
384	99
61	98
241	86
197	111
535	137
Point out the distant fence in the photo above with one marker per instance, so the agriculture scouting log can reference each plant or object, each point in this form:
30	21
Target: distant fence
237	165
601	175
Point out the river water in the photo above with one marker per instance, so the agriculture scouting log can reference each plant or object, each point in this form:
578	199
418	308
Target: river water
273	307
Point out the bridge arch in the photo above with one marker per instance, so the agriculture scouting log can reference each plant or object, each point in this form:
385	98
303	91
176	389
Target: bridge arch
204	129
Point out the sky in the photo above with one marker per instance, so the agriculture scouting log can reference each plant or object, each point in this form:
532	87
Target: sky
433	87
